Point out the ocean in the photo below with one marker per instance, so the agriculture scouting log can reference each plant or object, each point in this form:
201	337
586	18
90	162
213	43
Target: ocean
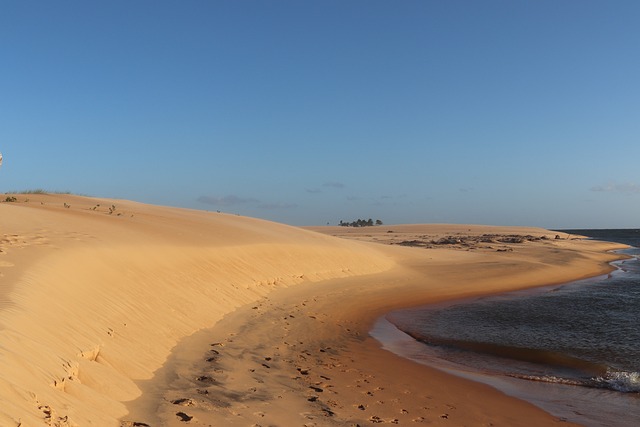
573	350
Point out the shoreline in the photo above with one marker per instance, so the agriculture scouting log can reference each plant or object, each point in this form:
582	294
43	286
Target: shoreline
315	373
552	398
119	313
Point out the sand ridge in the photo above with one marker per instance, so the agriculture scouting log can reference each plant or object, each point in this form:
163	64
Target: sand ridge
120	313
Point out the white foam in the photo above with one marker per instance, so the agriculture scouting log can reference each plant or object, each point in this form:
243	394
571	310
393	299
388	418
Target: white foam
547	379
627	382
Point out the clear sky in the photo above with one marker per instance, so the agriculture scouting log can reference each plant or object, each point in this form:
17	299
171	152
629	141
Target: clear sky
310	112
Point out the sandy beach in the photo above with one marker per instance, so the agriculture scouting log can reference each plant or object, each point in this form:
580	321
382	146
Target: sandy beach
116	313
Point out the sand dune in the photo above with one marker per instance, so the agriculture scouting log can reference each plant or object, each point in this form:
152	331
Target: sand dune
93	301
118	313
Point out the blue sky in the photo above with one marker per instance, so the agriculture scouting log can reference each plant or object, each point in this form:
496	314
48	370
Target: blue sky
310	112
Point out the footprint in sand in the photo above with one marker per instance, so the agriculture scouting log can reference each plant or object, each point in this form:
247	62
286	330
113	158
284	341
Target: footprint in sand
183	417
206	379
183	402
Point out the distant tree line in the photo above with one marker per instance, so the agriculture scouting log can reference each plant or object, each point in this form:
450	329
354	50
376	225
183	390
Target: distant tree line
360	223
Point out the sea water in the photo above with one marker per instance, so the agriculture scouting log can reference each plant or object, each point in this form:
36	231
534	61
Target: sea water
573	350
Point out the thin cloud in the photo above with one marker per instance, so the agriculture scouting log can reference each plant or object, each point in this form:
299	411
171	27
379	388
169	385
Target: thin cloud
392	197
277	206
386	200
313	190
628	187
230	200
333	184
